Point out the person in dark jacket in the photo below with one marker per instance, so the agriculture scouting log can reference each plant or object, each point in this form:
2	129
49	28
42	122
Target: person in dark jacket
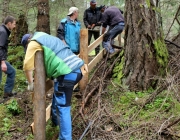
69	30
6	67
91	18
113	17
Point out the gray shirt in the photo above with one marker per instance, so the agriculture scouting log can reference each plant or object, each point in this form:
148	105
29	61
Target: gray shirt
112	16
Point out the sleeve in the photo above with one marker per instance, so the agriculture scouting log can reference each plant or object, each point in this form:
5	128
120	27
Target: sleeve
61	31
100	18
85	19
3	52
2	39
104	19
32	48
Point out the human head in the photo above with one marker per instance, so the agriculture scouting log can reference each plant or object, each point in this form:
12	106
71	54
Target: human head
10	22
102	8
93	4
73	11
25	40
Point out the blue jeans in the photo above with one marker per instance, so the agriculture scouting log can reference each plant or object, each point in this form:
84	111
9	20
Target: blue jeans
110	35
61	103
11	72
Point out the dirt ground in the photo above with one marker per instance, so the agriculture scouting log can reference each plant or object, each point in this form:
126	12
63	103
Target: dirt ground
20	129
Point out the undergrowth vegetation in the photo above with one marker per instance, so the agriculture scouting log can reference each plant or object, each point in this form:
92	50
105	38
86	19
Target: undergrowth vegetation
150	119
15	58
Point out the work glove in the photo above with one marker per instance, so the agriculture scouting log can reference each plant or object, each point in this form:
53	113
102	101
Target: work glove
30	86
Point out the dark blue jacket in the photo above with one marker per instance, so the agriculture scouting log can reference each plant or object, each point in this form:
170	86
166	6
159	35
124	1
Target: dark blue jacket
92	17
4	35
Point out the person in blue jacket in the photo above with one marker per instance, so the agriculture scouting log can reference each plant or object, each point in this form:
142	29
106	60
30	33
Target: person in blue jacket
69	30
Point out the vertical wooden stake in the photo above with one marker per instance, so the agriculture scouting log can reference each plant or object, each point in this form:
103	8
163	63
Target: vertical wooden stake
84	55
39	98
119	39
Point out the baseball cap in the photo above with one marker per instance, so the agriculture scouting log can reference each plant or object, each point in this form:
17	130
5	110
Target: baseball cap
24	40
72	10
93	1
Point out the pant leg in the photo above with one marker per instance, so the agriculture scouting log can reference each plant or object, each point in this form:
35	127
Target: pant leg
115	31
53	107
110	35
97	49
90	33
63	103
9	85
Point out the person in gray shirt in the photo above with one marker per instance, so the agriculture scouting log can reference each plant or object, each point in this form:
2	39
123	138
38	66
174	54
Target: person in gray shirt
113	17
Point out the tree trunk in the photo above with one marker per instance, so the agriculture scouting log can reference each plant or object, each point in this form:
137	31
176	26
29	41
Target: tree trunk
145	54
19	31
43	20
5	8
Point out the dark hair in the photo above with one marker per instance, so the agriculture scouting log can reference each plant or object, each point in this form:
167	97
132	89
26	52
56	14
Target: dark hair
9	19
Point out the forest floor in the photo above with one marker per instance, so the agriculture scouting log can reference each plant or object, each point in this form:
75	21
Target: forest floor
106	110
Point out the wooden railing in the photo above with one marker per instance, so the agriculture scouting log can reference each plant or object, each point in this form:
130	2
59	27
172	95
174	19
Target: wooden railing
41	113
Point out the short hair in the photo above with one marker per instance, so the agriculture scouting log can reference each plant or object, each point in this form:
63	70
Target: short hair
9	19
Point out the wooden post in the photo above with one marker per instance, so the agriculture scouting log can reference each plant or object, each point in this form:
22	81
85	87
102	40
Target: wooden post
119	39
84	55
39	98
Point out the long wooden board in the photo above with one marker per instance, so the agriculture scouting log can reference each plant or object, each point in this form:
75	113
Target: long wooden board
96	60
90	67
48	114
95	43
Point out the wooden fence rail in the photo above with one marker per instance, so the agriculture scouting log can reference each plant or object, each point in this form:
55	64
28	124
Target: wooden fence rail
42	114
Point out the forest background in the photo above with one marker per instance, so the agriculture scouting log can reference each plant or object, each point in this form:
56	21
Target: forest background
158	119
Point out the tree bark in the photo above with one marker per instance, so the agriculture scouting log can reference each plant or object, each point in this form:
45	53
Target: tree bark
43	20
5	8
18	32
141	55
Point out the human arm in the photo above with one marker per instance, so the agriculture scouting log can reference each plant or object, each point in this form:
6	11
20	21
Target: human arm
105	19
3	55
61	32
28	65
103	30
85	17
3	66
29	76
3	51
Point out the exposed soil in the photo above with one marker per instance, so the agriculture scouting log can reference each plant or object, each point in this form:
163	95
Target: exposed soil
21	127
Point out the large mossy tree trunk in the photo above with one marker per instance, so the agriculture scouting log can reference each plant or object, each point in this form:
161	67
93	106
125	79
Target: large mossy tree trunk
145	55
43	20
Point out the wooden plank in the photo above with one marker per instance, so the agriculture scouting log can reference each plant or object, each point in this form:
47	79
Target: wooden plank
95	43
96	60
48	114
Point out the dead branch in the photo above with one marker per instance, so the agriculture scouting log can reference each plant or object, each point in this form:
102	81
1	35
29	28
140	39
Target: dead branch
173	21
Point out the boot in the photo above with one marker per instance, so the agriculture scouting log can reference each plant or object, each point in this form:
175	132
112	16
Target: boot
97	50
64	114
6	95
